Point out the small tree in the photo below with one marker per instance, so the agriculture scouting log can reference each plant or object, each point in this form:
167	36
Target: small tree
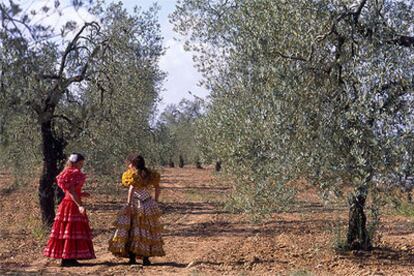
181	161
218	166
198	165
177	126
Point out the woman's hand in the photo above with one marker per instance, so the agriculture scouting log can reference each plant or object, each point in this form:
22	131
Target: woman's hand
82	210
75	197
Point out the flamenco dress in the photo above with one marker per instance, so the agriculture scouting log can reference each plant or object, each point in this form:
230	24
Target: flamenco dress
71	236
138	230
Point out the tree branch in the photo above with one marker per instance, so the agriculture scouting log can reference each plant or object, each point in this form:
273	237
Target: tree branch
85	67
49	77
403	40
357	13
61	116
403	90
71	45
290	56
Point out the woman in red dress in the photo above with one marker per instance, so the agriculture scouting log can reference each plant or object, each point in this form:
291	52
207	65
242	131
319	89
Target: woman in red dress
71	237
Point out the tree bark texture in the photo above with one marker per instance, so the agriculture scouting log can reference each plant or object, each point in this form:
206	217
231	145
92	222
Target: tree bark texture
358	237
53	153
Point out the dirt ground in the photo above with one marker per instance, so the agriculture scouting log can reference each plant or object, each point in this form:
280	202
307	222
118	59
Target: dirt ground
203	239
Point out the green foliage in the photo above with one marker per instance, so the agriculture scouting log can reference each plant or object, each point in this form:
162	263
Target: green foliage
120	121
259	199
39	231
315	89
339	242
99	89
19	153
175	132
405	209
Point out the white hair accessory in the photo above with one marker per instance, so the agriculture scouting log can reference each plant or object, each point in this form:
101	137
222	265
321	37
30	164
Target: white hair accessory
73	158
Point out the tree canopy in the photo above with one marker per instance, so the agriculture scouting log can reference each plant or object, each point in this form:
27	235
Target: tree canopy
314	89
91	86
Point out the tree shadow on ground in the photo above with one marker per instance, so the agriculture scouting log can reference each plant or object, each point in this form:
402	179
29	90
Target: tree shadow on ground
196	188
194	208
107	206
5	271
384	255
105	231
225	228
8	190
304	207
401	229
242	262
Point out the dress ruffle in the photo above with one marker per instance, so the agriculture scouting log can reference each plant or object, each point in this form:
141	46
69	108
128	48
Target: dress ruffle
71	236
138	230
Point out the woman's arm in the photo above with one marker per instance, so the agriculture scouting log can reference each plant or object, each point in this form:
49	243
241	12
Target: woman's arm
157	192
130	194
76	199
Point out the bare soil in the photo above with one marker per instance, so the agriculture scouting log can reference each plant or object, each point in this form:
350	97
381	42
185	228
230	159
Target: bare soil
201	238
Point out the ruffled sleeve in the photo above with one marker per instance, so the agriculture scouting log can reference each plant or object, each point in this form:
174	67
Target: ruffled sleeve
69	178
129	178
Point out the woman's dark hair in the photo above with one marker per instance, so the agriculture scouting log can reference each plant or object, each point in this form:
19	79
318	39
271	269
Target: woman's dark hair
139	163
80	157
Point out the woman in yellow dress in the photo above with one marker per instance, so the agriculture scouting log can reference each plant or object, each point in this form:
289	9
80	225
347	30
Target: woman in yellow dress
138	231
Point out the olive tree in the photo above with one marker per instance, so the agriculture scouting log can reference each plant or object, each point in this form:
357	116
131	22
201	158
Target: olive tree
122	105
73	81
177	129
316	89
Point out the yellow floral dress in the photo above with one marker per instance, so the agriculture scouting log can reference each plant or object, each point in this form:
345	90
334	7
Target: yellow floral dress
139	231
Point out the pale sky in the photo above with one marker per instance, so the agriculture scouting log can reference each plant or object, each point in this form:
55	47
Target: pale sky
182	76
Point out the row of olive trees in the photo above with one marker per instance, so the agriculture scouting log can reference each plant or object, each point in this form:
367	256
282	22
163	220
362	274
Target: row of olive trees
175	133
316	89
89	86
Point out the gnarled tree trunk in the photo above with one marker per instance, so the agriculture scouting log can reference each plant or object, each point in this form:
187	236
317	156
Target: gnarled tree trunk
358	238
53	152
